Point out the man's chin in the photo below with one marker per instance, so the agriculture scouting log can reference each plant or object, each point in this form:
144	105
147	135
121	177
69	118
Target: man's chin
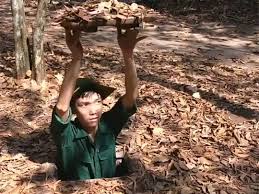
92	124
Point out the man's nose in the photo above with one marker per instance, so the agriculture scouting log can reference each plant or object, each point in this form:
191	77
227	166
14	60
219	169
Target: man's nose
93	111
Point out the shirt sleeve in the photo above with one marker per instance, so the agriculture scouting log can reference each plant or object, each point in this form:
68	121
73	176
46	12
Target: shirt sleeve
58	126
118	116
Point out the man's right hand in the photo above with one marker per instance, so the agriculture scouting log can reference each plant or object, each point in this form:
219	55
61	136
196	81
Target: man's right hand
74	44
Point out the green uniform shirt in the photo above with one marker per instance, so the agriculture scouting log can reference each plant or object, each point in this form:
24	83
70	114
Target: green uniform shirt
78	158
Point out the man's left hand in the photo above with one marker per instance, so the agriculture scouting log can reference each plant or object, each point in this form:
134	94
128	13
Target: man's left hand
128	40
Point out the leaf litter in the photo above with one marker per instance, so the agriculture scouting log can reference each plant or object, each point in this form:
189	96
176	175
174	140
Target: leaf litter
178	142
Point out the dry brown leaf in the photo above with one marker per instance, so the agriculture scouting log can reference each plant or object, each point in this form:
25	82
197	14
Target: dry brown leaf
134	7
240	154
182	165
157	131
138	140
59	78
242	177
253	177
196	95
224	178
255	187
204	161
211	189
34	86
223	192
221	132
160	159
144	145
211	156
17	190
248	136
148	137
186	190
190	165
172	138
169	168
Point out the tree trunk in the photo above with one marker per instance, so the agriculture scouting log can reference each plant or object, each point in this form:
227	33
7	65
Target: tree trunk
20	37
39	69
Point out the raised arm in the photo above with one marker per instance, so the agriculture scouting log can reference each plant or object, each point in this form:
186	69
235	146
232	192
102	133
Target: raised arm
127	43
71	74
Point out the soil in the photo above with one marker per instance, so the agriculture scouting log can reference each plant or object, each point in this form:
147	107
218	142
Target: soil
196	129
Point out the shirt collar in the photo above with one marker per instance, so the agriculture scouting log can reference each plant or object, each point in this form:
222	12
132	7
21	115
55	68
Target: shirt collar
80	132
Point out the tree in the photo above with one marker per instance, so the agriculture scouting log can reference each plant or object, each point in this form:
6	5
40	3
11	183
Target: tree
21	39
38	67
22	47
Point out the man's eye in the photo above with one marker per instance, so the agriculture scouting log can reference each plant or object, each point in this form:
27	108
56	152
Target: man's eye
98	101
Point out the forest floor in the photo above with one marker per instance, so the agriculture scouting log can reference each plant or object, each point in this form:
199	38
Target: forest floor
197	125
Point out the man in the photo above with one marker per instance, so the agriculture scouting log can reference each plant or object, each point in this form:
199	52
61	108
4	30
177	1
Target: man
86	146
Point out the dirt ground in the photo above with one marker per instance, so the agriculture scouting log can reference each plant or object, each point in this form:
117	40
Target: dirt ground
196	129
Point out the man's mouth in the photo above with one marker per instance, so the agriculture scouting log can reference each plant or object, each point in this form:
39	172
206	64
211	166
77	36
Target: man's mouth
93	119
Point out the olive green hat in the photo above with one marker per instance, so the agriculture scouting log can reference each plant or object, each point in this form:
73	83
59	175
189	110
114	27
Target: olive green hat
85	85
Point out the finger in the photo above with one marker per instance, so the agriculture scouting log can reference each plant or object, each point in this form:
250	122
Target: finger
136	30
68	34
141	38
128	30
76	36
119	31
76	33
132	33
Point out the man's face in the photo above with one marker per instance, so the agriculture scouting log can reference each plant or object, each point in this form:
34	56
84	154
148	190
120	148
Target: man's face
89	110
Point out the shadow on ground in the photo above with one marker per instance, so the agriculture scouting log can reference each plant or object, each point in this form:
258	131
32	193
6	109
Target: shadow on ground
220	11
156	74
